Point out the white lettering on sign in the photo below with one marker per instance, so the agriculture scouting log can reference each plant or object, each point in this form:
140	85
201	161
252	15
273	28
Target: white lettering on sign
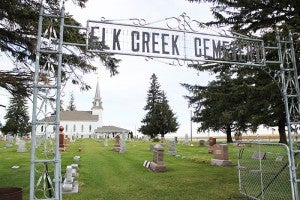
174	44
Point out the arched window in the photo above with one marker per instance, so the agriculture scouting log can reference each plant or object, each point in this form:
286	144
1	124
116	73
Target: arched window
42	128
90	128
74	128
66	127
82	128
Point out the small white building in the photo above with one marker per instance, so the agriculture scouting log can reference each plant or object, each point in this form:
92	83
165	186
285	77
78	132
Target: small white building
83	124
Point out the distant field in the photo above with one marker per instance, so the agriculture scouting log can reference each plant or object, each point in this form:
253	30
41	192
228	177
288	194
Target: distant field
248	137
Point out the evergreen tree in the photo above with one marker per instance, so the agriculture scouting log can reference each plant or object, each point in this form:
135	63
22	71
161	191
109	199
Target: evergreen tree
18	31
72	106
159	119
17	119
265	105
168	120
252	16
234	104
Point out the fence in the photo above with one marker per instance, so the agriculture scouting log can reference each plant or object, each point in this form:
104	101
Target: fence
264	171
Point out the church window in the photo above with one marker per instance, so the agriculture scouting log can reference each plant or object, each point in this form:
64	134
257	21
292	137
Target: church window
74	128
67	128
82	128
42	128
90	128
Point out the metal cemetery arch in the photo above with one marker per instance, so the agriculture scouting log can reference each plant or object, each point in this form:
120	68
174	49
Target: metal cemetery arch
179	39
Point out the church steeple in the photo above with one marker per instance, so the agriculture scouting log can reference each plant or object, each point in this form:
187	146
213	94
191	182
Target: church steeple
97	103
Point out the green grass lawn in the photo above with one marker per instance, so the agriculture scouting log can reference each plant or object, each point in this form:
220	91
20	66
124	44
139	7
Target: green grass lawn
105	174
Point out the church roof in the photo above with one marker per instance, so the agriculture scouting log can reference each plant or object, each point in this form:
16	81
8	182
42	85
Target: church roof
78	116
75	116
110	129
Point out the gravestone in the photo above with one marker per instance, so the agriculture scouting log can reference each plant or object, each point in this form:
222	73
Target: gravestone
117	144
99	138
186	140
279	158
158	159
17	140
38	141
106	142
21	146
123	143
76	158
9	141
69	185
259	155
201	143
62	142
211	142
176	139
238	139
220	155
172	148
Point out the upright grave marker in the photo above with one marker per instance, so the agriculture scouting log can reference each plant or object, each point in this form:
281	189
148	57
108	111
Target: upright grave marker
62	142
220	155
117	144
123	143
158	159
172	149
21	146
9	141
211	141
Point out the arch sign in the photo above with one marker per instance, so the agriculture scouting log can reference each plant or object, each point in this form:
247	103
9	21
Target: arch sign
181	43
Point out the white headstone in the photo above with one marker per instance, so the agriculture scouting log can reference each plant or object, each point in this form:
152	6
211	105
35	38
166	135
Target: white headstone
123	143
76	158
9	142
106	142
186	140
38	141
21	146
172	148
69	177
17	140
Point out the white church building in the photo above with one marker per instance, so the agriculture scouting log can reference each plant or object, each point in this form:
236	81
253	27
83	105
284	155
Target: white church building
83	124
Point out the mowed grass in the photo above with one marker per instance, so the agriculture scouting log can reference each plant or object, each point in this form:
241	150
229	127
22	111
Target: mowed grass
108	175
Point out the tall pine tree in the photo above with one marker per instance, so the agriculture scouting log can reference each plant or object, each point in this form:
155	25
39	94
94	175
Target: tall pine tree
17	119
71	106
159	119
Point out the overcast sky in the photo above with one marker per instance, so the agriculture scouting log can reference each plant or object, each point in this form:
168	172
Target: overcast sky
124	95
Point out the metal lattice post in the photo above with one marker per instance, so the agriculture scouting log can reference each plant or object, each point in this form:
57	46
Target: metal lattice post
291	96
57	177
45	166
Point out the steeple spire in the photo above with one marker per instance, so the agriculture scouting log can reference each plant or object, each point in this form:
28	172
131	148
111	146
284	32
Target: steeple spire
97	93
97	103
